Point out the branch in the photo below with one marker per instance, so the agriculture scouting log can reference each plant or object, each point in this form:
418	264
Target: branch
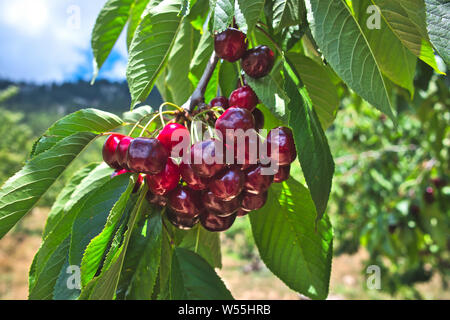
198	96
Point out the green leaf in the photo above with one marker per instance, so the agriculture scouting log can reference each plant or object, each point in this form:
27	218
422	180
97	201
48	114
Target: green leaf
202	54
287	13
288	242
347	50
312	147
151	46
397	63
142	260
96	248
192	278
61	290
438	16
251	11
204	243
108	27
136	12
321	89
22	191
223	11
406	19
138	114
85	120
228	77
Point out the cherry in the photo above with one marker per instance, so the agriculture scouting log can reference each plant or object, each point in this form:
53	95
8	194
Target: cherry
228	184
428	195
244	97
123	171
282	174
251	202
259	119
258	62
171	135
156	199
109	150
256	182
185	202
220	102
220	207
234	118
211	222
204	160
146	155
121	151
439	182
230	44
166	180
181	221
284	146
414	210
242	213
192	180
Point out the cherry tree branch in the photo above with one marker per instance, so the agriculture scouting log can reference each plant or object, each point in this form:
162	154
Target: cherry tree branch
198	96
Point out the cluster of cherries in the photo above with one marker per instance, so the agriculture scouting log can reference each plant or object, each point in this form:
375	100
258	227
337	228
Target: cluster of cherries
197	184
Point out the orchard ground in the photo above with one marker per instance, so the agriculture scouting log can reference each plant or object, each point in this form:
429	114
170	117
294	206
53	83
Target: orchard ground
246	279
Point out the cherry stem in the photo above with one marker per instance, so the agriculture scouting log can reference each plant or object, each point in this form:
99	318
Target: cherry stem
240	74
198	96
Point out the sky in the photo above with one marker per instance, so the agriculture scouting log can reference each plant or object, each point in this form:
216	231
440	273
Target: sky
45	41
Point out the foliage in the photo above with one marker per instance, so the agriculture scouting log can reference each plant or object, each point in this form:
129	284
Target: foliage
98	224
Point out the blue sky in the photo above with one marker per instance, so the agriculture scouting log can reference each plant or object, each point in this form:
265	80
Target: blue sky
49	41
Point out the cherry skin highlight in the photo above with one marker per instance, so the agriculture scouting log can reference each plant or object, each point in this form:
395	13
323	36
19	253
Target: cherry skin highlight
230	44
258	62
214	223
282	174
109	150
205	162
228	184
244	97
283	144
146	155
165	181
256	182
171	135
220	207
121	152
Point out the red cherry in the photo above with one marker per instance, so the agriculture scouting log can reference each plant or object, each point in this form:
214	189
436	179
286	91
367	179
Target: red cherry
205	162
258	62
282	174
109	150
121	151
214	223
251	202
256	182
146	155
284	146
247	153
242	213
156	199
171	135
244	97
220	102
181	221
220	207
228	184
166	180
192	180
185	202
234	118
123	171
259	119
428	195
230	44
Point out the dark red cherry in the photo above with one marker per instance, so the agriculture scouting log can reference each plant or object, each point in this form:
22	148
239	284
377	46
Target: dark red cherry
439	182
230	44
123	171
282	174
428	195
251	202
259	119
242	213
156	199
220	102
109	150
166	180
234	118
282	141
246	151
185	201
146	155
121	151
220	207
181	221
173	134
244	97
228	184
258	62
211	222
256	182
207	158
192	180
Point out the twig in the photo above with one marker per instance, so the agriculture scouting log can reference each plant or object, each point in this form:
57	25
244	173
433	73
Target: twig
198	96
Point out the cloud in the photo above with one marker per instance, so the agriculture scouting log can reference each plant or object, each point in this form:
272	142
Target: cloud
48	40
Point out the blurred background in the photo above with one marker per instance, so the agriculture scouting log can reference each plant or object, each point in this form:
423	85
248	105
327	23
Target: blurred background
390	202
